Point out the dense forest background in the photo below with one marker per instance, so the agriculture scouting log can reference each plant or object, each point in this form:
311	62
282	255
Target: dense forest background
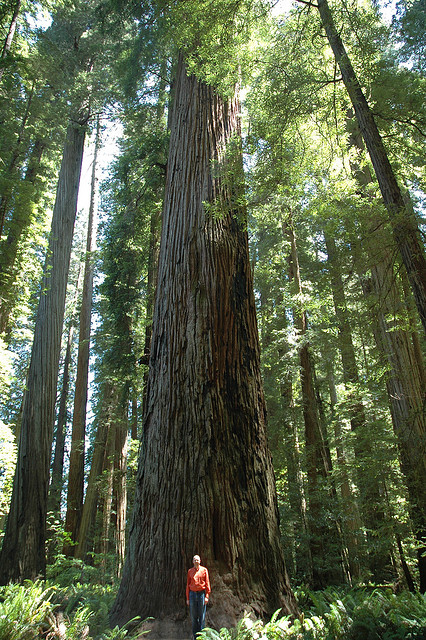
325	172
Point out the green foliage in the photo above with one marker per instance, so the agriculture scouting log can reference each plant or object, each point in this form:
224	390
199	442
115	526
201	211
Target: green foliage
24	611
8	453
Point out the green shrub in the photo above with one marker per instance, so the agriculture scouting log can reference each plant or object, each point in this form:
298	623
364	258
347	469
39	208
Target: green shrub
36	610
24	610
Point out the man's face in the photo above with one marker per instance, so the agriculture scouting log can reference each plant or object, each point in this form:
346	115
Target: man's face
196	560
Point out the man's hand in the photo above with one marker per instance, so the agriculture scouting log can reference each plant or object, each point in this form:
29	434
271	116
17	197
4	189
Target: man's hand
187	602
206	599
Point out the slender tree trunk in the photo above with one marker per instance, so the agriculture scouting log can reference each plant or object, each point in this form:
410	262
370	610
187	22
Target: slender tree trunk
352	524
11	32
317	458
405	229
205	480
77	454
302	557
107	497
106	417
371	500
11	167
120	486
23	553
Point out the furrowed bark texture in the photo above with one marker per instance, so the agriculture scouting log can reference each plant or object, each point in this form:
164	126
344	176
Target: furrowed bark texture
23	553
205	481
405	231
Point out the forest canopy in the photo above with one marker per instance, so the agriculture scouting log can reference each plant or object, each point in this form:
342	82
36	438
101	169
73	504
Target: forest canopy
212	315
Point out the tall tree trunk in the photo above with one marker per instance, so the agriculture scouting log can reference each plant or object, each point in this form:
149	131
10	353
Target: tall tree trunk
317	458
10	33
23	552
405	229
406	378
77	454
205	481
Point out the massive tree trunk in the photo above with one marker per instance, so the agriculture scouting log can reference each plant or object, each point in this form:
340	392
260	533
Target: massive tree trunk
205	482
77	454
23	553
405	229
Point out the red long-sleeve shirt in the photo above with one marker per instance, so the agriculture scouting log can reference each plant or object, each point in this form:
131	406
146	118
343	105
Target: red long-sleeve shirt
198	580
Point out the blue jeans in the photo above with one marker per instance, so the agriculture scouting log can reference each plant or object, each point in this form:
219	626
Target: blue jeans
197	611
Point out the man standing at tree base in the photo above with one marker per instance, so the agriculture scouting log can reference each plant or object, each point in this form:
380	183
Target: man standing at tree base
197	595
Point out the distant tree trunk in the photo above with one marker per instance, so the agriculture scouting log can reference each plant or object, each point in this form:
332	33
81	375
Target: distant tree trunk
23	552
99	460
16	228
370	491
10	170
352	524
302	557
103	546
56	479
10	33
77	454
404	226
120	486
205	480
134	420
317	458
406	397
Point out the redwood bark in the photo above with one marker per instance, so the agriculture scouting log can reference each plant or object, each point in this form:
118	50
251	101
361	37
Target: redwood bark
23	552
205	481
405	229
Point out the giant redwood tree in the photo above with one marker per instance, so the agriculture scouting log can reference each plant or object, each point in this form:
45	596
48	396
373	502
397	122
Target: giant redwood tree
205	482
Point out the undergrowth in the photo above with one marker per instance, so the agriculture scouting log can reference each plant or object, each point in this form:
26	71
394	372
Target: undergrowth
36	610
334	614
